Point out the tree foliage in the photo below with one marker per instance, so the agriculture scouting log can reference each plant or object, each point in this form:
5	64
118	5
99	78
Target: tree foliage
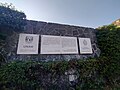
10	20
109	41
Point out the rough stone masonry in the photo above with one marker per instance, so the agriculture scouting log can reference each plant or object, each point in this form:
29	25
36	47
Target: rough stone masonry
44	28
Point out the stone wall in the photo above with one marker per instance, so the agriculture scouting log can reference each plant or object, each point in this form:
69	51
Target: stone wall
44	28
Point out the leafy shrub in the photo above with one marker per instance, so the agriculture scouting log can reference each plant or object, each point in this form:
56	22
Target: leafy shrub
91	74
109	44
13	76
109	41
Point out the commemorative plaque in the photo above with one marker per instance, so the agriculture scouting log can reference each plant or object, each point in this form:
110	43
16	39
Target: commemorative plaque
50	44
28	44
85	46
69	45
58	45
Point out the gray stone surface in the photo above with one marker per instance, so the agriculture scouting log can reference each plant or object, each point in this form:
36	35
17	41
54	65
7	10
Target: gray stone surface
44	28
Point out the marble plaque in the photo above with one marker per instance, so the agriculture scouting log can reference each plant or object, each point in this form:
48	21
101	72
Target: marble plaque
28	44
50	44
58	45
69	45
85	46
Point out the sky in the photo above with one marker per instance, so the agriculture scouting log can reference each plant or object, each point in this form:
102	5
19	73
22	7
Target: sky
85	13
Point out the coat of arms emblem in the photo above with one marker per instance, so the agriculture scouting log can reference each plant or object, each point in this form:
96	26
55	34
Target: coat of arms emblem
85	42
28	39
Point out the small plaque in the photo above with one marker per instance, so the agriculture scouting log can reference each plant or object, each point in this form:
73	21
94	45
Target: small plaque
28	44
85	46
71	78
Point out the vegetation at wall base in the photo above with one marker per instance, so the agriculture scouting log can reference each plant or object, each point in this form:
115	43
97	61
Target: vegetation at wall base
95	74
